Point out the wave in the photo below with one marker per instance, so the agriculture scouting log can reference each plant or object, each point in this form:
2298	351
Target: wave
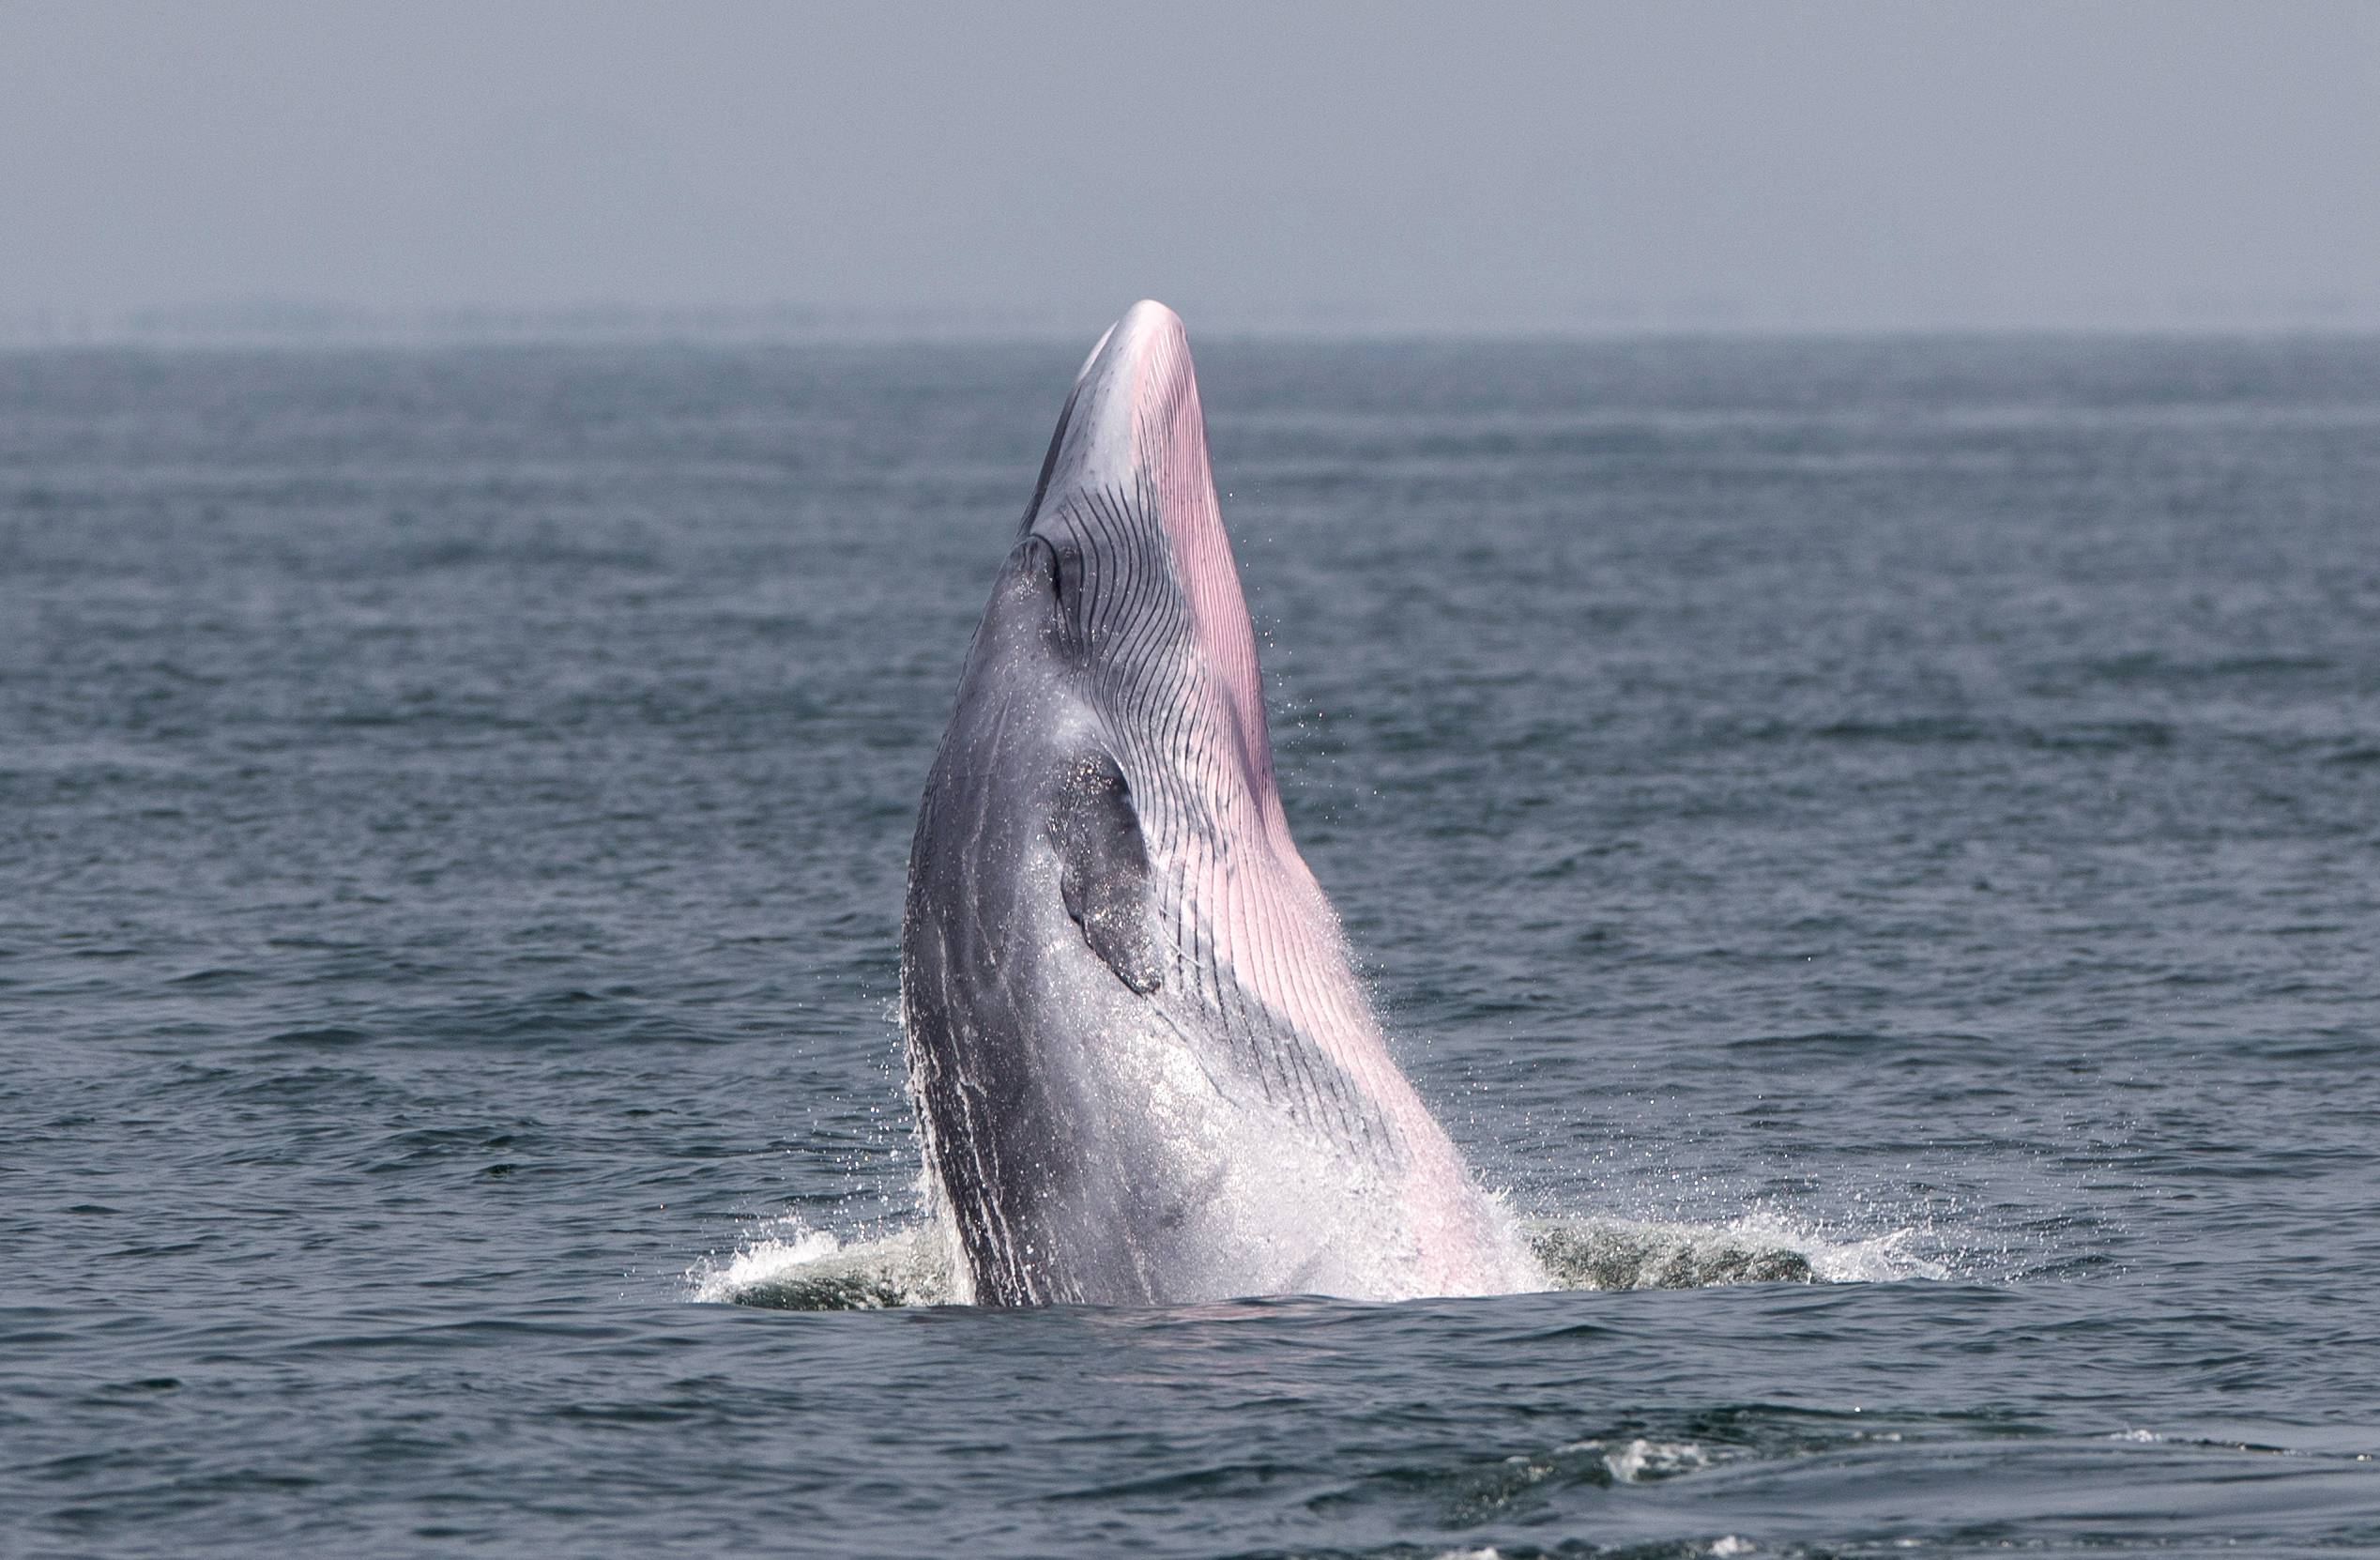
790	1265
802	1269
1620	1254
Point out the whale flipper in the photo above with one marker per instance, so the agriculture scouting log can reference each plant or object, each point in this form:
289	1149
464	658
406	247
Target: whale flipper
1103	870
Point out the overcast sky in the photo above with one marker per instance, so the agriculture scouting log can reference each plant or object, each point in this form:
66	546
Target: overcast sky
1393	167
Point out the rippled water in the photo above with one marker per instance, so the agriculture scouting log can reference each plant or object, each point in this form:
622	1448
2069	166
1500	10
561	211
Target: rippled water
1873	844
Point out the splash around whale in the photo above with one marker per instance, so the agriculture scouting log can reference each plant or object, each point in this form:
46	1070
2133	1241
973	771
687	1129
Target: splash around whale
1142	1065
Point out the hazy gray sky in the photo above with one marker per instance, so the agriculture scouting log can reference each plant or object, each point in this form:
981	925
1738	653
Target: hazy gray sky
1445	165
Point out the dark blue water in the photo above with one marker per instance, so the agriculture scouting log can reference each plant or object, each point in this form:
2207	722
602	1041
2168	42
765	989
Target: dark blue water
1874	845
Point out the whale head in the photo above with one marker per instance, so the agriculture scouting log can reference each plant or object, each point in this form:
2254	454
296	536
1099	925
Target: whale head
1148	596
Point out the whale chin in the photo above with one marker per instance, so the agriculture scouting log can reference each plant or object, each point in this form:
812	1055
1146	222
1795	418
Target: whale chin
1143	1069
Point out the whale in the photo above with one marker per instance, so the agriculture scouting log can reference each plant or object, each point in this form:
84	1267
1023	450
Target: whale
1143	1066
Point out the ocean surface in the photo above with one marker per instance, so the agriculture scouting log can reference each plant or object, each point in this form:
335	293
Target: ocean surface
1873	845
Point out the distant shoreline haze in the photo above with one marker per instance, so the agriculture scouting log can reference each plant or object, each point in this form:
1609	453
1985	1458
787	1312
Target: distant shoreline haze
271	322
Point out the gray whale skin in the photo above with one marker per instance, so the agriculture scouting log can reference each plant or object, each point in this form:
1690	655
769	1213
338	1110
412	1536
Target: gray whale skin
1143	1069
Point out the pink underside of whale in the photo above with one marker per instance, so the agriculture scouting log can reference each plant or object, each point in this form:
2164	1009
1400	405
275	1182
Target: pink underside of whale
1137	421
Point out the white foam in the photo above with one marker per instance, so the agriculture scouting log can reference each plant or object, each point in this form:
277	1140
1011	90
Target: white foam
794	1266
788	1264
1621	1253
1877	1259
763	1261
1642	1459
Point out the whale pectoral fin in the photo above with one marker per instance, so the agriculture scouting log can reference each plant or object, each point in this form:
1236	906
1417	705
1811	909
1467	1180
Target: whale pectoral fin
1103	870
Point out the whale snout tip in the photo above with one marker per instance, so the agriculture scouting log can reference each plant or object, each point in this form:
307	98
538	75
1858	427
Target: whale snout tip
1152	332
1148	315
1141	331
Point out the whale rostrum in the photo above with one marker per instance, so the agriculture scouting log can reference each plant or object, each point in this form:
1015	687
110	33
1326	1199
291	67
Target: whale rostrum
1143	1067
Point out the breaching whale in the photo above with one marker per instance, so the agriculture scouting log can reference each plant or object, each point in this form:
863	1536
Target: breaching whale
1143	1069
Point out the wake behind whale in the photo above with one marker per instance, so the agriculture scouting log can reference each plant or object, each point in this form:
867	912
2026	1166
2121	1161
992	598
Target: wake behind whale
1142	1065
